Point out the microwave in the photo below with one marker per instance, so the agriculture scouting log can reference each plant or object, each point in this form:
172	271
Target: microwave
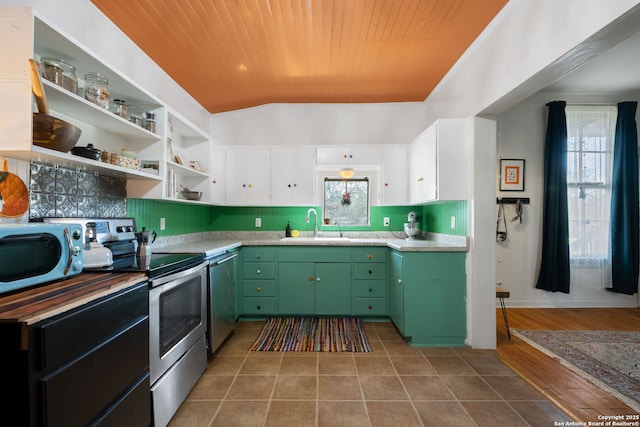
31	254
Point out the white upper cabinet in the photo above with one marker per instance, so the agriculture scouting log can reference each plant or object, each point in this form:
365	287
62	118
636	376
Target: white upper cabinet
349	156
248	176
292	176
394	183
217	175
439	162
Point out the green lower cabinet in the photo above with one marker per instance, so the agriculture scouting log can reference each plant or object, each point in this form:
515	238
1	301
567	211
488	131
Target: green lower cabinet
314	288
258	278
259	306
427	297
395	293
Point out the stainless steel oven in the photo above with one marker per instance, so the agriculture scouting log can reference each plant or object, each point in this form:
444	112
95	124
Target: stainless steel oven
177	348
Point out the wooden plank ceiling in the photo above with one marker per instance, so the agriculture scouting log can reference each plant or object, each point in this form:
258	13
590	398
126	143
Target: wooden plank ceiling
232	54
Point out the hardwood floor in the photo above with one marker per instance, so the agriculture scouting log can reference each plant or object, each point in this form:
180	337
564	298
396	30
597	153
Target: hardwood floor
576	396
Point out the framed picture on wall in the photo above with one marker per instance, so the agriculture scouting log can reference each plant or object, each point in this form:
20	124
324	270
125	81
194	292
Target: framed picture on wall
511	175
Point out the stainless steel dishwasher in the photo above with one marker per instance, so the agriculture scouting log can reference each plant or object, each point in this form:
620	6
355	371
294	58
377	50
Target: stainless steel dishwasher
221	293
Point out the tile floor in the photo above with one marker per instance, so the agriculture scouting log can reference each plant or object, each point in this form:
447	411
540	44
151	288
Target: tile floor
394	385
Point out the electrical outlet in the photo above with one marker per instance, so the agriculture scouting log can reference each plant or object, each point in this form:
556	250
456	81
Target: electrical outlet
453	222
386	221
163	223
258	222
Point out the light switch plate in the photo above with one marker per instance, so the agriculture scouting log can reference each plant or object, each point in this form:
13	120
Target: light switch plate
163	223
386	221
258	222
453	222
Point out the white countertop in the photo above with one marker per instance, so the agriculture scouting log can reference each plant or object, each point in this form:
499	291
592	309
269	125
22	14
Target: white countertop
211	244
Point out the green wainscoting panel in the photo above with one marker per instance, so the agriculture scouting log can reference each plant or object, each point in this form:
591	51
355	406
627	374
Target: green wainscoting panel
180	218
275	218
437	217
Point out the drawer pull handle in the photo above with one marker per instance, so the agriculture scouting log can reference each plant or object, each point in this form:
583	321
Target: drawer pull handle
317	279
258	307
370	272
399	281
258	289
311	278
257	256
370	290
370	256
370	307
258	271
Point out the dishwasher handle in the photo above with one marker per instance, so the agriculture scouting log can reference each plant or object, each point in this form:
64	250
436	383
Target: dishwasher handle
220	260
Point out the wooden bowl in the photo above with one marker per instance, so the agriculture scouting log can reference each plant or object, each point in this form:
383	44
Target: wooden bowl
53	133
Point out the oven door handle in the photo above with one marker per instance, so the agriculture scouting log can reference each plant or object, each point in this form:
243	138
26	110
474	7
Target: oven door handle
176	276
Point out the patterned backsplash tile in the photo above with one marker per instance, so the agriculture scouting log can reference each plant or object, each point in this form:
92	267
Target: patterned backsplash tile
62	192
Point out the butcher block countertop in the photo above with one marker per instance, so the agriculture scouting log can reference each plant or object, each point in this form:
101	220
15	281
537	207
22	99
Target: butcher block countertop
36	304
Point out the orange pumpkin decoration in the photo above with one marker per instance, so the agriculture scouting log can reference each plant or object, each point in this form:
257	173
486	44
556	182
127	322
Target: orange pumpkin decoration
14	195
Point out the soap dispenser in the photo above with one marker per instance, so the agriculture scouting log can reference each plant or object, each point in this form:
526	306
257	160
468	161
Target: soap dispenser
287	231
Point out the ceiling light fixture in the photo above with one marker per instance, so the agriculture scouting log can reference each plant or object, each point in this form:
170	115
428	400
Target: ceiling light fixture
346	173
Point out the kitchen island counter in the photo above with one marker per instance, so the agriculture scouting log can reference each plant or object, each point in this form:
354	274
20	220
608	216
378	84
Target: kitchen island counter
39	303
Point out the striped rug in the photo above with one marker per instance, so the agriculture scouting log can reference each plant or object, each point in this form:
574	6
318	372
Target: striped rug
330	334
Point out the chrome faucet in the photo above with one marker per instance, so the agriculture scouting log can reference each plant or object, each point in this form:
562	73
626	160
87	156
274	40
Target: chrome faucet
339	229
315	222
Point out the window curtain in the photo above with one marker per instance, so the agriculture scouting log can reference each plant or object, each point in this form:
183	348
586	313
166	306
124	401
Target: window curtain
625	218
554	272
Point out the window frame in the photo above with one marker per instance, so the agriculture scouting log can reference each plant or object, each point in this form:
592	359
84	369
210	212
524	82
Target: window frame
577	151
373	173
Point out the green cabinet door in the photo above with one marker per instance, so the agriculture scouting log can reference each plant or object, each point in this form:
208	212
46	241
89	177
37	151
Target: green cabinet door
333	288
314	288
296	288
395	292
435	298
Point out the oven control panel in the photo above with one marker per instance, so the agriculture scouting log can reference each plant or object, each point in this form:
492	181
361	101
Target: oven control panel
104	230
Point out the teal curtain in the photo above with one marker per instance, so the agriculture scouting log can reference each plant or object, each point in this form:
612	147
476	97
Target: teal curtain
554	272
625	218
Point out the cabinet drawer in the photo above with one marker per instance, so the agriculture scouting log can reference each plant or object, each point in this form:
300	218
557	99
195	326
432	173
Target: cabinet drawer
370	288
90	383
259	270
133	409
259	305
259	288
314	254
258	253
67	336
375	271
371	254
373	306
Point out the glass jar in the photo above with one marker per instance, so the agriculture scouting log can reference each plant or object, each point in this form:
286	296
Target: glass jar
150	122
119	108
135	114
60	72
96	89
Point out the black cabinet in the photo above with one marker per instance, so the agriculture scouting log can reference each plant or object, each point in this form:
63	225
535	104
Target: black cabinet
86	366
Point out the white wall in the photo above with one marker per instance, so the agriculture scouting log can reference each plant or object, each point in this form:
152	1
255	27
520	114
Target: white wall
529	45
321	124
521	134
